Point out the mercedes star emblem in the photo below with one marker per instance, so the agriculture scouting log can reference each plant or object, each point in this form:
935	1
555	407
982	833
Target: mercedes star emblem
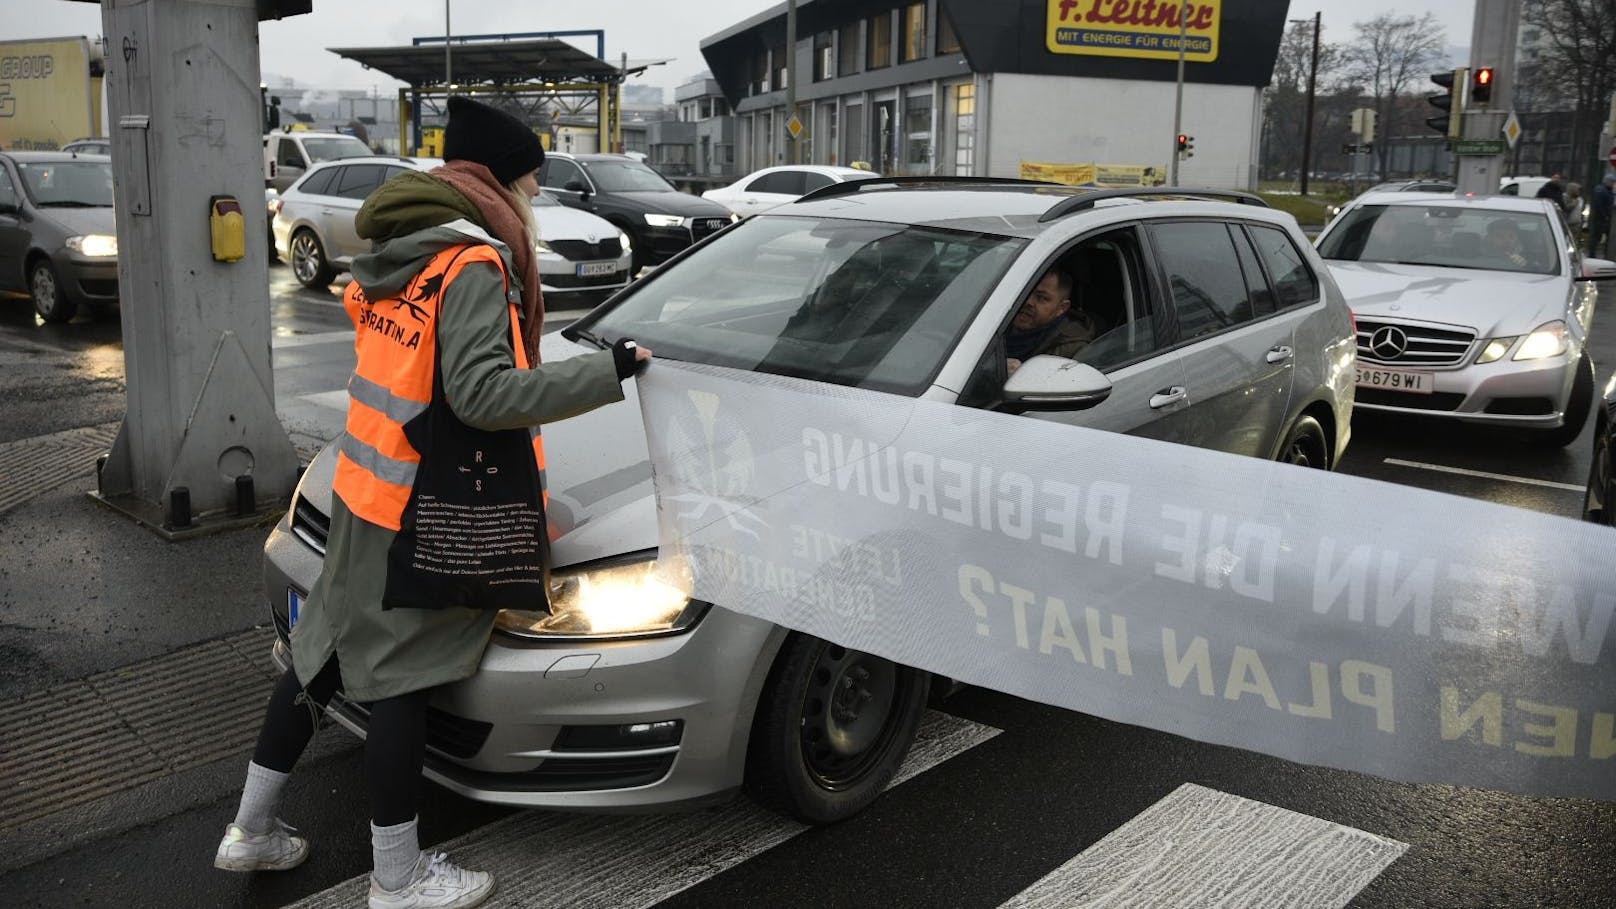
1388	342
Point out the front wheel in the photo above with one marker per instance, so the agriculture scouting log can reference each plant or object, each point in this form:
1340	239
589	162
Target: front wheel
1306	445
50	297
833	725
309	265
1576	411
1599	498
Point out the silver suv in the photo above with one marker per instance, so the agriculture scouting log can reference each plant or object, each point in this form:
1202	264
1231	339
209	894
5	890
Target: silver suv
1219	327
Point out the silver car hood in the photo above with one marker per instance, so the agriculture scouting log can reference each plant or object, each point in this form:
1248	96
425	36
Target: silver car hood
558	222
1492	303
599	474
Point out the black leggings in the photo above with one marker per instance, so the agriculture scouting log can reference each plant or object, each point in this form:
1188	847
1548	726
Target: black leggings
395	743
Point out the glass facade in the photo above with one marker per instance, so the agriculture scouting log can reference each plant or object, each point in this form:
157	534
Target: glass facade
913	45
879	53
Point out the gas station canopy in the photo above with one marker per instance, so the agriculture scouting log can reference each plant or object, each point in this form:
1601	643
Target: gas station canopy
488	63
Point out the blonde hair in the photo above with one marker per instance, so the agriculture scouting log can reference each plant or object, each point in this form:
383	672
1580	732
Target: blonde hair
523	207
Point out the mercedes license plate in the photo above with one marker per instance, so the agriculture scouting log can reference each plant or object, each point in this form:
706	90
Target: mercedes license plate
595	269
294	605
1411	381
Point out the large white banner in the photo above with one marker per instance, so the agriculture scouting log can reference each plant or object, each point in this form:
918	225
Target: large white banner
1317	617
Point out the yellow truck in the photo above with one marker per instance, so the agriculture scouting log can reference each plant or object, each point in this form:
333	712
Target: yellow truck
50	92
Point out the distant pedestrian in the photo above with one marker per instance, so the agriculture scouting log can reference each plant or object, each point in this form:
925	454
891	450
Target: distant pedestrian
1599	215
1574	204
1554	189
448	315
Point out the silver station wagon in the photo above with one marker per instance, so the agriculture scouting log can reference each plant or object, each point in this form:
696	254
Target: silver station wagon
1216	325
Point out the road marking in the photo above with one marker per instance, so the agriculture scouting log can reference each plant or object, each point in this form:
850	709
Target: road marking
325	337
1201	847
1482	474
542	858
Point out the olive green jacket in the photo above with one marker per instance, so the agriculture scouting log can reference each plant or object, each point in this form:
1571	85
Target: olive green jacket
385	653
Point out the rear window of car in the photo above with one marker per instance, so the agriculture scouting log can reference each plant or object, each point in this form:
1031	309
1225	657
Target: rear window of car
786	182
1203	274
358	180
1294	282
319	182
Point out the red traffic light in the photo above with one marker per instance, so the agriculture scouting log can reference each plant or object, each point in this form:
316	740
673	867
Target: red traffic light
1481	85
1183	141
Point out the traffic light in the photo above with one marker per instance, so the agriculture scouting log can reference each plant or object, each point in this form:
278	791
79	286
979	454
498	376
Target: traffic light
1452	108
1481	85
1186	145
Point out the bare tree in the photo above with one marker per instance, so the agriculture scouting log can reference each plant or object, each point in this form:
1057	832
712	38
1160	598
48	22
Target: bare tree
1580	56
1391	53
1284	101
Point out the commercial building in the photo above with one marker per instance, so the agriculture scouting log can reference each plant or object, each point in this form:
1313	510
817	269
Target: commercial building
956	87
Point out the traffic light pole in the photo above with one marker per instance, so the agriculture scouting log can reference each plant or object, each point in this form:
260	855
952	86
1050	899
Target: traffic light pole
1492	46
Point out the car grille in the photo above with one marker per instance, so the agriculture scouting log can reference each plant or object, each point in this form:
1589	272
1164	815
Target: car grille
706	227
100	287
1442	400
1425	346
567	774
611	279
578	250
310	525
449	734
1521	407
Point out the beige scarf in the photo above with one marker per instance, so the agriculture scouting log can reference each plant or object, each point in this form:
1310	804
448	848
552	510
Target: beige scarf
477	184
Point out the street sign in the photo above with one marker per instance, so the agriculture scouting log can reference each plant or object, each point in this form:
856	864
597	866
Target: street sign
794	127
1512	129
1478	147
1350	149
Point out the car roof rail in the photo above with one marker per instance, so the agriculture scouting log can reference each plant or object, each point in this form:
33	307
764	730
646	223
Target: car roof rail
848	187
1086	201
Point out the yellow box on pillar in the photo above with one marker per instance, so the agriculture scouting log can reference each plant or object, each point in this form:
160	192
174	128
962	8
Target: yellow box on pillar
431	143
227	229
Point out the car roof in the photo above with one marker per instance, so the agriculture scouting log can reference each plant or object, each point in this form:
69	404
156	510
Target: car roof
417	163
1453	200
47	157
1010	209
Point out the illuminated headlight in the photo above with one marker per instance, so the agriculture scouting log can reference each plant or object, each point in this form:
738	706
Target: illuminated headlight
733	217
620	601
94	245
1547	341
1495	350
627	243
664	220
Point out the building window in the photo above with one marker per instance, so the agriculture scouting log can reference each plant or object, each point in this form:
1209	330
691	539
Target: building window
913	46
917	134
824	57
880	41
964	129
847	52
947	39
781	71
760	75
853	136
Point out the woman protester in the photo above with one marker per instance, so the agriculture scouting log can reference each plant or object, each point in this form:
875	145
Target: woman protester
437	517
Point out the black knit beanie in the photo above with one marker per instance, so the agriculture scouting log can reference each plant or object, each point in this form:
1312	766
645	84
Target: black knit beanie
492	138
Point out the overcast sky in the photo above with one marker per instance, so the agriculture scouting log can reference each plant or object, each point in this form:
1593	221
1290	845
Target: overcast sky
296	47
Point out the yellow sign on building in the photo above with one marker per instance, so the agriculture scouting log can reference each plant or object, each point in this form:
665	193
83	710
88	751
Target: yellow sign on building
1105	176
1147	29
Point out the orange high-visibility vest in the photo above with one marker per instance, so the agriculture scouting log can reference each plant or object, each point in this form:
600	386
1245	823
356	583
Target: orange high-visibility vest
396	340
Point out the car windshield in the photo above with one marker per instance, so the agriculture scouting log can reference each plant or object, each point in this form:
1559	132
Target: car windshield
869	305
333	148
69	184
1445	235
626	177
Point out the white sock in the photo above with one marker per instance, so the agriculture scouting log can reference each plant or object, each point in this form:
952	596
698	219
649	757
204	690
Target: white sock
260	798
394	851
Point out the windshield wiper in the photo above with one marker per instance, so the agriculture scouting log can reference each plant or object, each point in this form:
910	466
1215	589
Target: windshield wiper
73	203
602	343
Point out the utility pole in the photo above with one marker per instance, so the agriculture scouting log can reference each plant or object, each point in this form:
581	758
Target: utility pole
1492	47
1178	96
448	42
201	447
1312	85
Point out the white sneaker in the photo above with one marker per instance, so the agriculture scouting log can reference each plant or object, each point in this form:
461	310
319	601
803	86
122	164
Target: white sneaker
436	884
276	850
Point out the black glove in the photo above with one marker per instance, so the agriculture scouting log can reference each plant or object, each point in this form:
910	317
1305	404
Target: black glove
623	358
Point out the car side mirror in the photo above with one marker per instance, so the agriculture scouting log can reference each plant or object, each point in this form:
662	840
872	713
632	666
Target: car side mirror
575	186
1597	270
1055	383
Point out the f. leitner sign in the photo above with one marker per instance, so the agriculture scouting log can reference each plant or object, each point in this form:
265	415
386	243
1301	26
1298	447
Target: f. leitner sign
1147	29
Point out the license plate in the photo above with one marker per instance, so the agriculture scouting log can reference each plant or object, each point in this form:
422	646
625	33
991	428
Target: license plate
596	269
294	605
1419	383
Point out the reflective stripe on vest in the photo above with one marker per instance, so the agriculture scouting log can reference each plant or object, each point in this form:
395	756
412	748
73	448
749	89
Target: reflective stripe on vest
395	339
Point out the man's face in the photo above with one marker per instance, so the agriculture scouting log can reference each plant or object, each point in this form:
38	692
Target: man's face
1503	238
1044	305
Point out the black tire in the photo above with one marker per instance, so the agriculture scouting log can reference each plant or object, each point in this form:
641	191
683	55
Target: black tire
50	296
1576	412
309	264
1599	498
1306	445
833	725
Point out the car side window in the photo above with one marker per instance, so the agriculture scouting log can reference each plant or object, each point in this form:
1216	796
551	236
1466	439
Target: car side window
812	181
1262	296
1294	282
288	155
1109	289
319	182
358	181
8	192
559	172
785	182
1203	276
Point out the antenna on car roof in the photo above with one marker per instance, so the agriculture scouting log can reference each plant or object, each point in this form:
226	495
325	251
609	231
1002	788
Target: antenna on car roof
1087	200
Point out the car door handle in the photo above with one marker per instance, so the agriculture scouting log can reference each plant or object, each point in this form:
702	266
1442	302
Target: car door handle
326	211
1280	354
1168	396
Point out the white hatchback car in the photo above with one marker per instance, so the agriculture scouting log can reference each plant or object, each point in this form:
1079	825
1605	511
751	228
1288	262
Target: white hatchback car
1472	309
580	255
764	189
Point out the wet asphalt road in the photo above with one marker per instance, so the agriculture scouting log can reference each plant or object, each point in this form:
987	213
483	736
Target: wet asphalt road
971	833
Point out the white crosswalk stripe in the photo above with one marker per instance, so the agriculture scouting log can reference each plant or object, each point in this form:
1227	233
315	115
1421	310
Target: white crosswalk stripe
542	859
1201	848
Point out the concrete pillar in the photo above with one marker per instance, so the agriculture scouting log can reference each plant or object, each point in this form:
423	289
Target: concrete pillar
182	91
1492	43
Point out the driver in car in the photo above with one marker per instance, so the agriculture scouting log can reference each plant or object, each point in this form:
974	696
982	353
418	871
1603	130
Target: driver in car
1046	322
1504	242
